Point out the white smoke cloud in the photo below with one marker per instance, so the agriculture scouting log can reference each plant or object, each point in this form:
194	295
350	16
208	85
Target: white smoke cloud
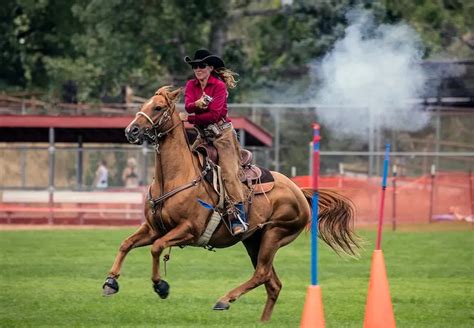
370	75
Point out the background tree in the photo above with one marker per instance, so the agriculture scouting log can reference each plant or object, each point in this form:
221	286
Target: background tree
105	45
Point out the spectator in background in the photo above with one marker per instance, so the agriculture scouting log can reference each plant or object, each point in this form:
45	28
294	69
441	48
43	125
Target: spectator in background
130	176
101	180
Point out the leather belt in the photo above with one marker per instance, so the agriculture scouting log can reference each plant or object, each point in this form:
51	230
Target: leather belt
224	126
214	130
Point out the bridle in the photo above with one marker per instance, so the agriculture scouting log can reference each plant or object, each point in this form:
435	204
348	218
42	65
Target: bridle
154	134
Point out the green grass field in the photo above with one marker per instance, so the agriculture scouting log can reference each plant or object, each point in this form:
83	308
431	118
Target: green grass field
54	278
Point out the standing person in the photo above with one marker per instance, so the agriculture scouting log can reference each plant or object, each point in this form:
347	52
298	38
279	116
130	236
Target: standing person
130	176
101	180
206	98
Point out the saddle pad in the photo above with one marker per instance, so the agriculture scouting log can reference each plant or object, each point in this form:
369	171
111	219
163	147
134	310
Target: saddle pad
265	183
260	184
263	187
265	177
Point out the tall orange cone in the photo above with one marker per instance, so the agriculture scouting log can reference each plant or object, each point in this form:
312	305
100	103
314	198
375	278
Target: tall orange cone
313	314
378	310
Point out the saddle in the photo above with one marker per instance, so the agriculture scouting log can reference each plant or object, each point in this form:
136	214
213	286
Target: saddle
258	179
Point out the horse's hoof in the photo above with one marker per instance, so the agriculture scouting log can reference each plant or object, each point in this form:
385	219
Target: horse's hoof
220	306
162	288
110	286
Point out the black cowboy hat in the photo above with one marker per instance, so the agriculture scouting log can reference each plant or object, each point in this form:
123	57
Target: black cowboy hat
204	56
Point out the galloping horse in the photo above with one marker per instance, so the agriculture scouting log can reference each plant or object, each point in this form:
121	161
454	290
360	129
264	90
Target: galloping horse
275	219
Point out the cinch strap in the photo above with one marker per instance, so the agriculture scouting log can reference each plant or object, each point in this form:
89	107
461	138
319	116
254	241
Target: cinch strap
216	217
211	227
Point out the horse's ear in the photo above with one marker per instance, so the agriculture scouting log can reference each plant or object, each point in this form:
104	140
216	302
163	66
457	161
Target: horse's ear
173	95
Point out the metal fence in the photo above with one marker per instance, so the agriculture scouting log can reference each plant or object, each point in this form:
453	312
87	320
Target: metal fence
446	141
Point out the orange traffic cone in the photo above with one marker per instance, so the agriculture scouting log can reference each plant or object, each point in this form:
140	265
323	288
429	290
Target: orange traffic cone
378	310
313	314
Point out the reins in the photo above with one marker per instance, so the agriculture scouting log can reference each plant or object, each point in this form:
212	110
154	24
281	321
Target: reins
155	201
156	204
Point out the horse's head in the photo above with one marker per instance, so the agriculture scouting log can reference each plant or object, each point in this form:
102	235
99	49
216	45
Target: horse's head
154	118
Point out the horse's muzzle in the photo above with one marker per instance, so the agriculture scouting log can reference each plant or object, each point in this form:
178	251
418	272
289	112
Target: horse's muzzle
133	134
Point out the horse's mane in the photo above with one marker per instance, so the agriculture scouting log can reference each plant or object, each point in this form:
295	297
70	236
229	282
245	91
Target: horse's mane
165	91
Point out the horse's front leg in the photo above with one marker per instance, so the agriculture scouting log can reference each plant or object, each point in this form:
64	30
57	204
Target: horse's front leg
142	237
180	235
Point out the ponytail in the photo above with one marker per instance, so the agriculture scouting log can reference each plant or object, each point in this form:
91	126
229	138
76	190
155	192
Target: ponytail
228	76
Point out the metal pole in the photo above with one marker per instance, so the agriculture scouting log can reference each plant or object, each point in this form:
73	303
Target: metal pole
433	174
23	166
52	151
254	115
382	198
267	157
394	198
80	163
242	138
314	222
277	141
371	144
438	135
256	154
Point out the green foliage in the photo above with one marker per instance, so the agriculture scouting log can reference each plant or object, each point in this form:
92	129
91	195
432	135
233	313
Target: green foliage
54	278
84	72
105	45
443	24
33	30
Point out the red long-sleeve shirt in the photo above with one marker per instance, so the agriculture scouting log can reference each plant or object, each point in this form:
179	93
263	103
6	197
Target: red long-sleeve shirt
216	110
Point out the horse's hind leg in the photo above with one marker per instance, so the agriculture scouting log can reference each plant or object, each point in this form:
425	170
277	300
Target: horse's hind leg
273	285
252	245
142	237
264	273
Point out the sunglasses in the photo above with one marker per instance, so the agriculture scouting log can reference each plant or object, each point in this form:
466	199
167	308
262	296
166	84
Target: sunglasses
202	65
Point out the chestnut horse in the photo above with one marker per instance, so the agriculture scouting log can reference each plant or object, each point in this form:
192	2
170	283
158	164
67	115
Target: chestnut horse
276	218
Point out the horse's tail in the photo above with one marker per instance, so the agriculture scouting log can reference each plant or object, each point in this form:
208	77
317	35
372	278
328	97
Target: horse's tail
335	220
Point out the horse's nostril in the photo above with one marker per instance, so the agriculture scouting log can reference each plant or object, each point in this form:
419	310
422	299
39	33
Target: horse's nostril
134	131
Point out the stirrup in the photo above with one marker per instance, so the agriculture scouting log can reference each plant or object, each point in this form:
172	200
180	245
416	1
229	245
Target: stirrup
239	223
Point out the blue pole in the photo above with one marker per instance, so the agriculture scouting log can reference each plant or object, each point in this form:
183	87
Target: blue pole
385	165
382	199
314	241
314	221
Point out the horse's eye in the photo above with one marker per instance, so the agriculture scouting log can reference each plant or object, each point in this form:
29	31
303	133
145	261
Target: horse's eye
157	108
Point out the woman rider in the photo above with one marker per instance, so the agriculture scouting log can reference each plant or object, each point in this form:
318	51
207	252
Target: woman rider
206	97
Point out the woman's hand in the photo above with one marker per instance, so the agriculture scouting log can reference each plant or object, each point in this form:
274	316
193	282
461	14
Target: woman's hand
183	116
201	103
